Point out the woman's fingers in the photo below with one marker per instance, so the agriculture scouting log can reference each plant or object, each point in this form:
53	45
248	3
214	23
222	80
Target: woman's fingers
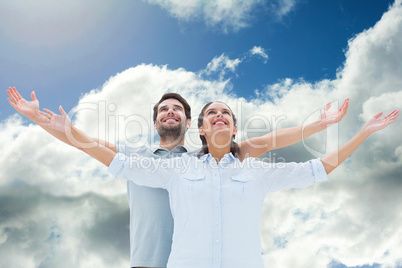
377	115
48	111
48	116
391	114
45	125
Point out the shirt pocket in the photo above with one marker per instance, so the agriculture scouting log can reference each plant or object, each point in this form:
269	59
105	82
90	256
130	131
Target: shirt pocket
194	184
242	186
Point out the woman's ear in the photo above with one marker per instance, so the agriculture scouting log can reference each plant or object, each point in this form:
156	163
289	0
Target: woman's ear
201	131
234	130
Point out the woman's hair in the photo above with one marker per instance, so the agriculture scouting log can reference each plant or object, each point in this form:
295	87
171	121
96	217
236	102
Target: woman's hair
234	147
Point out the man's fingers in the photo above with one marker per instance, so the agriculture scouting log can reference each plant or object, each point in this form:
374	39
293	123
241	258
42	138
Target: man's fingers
12	104
346	104
33	96
17	94
12	96
9	94
62	111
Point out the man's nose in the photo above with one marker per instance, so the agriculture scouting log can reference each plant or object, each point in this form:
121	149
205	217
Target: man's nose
170	111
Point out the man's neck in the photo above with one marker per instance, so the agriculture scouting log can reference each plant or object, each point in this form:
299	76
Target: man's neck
170	144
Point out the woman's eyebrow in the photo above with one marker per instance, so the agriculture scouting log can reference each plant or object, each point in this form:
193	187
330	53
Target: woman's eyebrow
214	109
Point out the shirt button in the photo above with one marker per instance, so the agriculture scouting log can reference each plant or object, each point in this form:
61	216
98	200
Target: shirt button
217	241
216	223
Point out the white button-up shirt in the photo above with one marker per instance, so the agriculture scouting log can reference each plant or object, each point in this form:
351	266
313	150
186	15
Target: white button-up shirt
216	207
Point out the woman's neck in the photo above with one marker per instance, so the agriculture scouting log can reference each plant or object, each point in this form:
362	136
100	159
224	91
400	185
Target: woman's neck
218	153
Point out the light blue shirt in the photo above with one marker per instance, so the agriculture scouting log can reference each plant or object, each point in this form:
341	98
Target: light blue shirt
151	222
216	207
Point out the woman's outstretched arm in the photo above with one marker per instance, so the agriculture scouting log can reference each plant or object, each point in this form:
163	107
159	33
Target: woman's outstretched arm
376	123
77	138
257	146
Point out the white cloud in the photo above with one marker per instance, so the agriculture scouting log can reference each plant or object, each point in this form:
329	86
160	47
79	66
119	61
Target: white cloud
283	7
225	14
385	102
353	218
260	52
221	65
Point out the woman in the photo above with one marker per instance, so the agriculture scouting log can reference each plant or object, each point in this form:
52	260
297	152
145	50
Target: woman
216	198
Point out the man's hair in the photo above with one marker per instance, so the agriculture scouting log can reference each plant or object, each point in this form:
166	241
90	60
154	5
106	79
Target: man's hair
187	108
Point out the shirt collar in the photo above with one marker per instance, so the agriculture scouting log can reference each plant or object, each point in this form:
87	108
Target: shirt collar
177	149
208	157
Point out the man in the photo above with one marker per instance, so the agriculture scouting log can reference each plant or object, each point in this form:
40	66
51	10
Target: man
151	222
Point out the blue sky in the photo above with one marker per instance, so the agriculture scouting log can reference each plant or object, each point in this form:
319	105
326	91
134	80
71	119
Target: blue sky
64	50
267	59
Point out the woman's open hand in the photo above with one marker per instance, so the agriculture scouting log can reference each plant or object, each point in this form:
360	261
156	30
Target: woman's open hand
377	122
60	122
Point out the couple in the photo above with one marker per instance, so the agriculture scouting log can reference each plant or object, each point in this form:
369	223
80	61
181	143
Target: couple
215	198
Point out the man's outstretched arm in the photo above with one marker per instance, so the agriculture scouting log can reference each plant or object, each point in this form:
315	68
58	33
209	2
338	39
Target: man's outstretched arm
30	109
257	146
376	123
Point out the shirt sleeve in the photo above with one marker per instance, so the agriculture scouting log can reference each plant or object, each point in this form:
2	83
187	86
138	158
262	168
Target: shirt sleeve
276	177
123	148
144	171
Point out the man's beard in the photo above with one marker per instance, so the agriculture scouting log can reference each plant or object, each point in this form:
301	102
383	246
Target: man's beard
175	133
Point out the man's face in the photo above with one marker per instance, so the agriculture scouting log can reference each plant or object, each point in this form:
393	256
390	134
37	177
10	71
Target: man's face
171	121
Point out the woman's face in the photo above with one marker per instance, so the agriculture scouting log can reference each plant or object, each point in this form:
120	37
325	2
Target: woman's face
218	123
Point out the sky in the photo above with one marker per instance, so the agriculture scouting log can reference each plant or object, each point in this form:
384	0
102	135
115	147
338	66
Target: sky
275	62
